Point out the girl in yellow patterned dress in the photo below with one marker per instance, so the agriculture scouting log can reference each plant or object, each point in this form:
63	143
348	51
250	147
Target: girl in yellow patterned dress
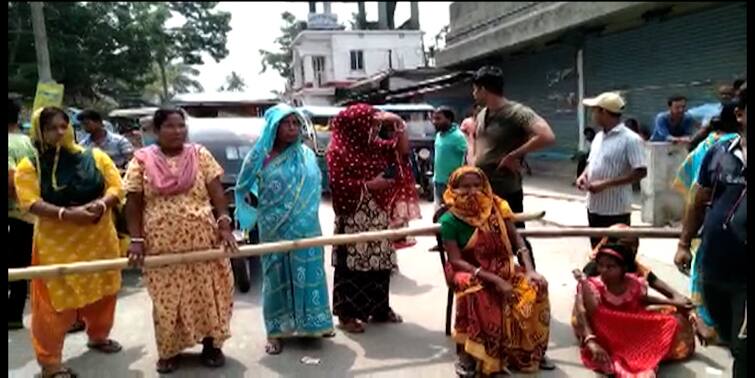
72	191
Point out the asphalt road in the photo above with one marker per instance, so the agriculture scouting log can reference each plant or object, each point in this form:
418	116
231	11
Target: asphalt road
416	348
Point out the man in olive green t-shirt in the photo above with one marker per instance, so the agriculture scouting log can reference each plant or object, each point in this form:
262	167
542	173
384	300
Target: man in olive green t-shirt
20	224
506	132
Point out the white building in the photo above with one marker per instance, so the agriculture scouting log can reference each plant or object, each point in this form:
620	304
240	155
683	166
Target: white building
328	59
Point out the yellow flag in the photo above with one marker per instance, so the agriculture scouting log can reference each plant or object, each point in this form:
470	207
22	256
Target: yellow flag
48	94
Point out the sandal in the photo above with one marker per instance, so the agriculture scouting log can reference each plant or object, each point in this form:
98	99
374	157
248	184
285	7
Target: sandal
351	326
391	317
547	364
15	325
273	347
465	369
167	366
77	327
108	346
329	335
212	357
62	373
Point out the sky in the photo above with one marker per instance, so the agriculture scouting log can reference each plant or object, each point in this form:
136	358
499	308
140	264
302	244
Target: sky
255	26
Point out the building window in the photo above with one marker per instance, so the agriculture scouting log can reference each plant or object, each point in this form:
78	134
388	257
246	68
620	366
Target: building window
318	66
357	60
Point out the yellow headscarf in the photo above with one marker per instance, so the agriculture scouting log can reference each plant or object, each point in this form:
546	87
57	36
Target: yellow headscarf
487	213
68	142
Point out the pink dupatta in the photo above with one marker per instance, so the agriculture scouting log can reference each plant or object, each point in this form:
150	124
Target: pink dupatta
163	179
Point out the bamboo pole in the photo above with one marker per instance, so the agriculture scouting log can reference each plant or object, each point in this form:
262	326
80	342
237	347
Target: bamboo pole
58	270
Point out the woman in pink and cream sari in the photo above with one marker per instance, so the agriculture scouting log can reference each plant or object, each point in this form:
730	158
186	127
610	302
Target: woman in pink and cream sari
175	205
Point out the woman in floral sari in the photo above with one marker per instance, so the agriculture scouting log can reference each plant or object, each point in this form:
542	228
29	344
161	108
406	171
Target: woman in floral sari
176	205
279	189
620	336
362	189
721	129
502	310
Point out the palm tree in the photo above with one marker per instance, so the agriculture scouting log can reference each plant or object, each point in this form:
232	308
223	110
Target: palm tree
180	78
233	83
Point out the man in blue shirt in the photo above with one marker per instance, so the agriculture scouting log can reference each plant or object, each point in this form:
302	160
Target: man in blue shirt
674	125
450	149
116	146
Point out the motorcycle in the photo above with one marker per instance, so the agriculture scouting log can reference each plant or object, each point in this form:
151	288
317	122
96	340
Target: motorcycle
422	161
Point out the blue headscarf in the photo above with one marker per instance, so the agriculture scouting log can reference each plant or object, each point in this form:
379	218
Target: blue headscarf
248	178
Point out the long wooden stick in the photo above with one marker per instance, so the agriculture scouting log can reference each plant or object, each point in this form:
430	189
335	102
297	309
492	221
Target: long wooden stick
58	270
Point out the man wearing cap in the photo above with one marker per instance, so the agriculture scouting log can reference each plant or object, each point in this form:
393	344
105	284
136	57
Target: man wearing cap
616	161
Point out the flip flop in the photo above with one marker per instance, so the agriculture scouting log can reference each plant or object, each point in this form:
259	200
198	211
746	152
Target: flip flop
351	326
391	317
273	347
547	364
63	373
77	327
213	357
109	346
12	326
329	335
167	366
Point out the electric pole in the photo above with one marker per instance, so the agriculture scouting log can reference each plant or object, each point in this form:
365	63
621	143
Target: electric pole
40	42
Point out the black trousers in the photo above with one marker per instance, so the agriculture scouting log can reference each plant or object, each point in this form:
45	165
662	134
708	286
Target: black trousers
516	202
727	304
21	235
603	221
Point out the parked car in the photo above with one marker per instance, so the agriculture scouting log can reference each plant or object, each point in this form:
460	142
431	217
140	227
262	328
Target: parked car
126	121
320	118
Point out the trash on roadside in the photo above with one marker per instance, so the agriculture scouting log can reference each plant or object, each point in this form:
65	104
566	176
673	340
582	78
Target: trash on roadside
310	360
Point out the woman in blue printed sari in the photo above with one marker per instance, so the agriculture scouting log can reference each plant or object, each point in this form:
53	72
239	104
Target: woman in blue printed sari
721	128
279	189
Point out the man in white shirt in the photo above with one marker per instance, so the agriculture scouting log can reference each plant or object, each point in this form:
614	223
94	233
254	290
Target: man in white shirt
616	161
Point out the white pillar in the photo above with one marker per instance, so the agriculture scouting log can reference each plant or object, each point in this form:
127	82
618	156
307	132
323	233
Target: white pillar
580	97
326	7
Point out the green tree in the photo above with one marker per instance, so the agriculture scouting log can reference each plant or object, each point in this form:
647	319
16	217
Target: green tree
109	48
180	77
281	60
233	83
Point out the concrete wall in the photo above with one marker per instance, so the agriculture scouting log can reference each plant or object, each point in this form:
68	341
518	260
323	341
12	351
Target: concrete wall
405	47
510	25
661	203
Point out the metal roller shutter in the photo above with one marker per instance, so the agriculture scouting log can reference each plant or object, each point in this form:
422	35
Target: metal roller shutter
687	55
546	81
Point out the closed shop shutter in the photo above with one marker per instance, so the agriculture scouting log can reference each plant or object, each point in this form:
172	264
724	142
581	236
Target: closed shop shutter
688	55
546	81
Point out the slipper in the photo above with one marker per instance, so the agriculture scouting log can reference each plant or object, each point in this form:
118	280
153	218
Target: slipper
329	335
167	366
63	373
77	327
547	364
351	326
213	357
391	317
12	326
273	347
109	346
465	369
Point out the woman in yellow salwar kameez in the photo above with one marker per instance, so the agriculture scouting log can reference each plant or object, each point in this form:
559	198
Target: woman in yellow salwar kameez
72	191
502	310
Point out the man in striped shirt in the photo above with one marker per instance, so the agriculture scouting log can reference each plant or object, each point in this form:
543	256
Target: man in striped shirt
616	161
